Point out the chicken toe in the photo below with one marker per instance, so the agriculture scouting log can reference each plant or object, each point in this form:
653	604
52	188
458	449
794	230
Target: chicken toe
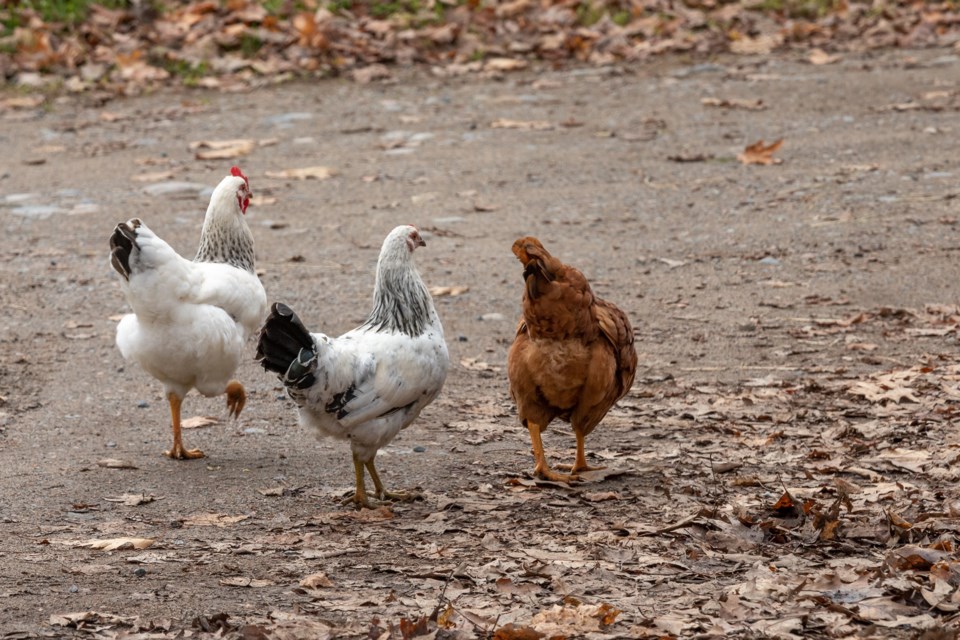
581	462
541	469
178	452
236	398
383	494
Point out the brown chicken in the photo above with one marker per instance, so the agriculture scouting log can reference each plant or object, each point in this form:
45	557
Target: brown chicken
573	356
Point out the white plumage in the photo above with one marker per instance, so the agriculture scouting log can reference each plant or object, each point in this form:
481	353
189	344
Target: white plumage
368	384
191	319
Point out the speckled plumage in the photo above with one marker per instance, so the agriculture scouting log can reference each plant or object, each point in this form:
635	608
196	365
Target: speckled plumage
368	384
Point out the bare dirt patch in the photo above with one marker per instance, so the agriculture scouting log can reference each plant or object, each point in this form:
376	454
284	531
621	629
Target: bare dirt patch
784	465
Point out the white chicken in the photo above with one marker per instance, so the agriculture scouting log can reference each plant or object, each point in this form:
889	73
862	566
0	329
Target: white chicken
373	381
191	319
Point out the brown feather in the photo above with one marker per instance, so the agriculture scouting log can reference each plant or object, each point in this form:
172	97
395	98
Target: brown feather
573	355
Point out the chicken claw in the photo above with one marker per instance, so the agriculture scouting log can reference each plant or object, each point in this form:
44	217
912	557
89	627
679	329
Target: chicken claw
178	452
236	398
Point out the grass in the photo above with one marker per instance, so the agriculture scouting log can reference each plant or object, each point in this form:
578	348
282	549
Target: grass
809	9
68	11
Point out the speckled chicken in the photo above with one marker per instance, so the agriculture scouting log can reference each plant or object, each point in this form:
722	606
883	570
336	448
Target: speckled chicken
191	319
573	355
371	382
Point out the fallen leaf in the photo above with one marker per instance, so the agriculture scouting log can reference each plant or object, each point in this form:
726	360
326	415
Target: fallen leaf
241	581
114	463
222	149
820	57
532	125
758	153
314	173
316	581
504	64
198	422
734	103
213	520
454	290
110	544
132	499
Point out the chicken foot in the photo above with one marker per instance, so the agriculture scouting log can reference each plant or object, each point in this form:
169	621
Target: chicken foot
236	398
361	498
178	452
581	462
541	469
383	494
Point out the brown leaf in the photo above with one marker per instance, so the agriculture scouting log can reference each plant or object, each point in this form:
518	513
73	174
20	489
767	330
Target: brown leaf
114	463
504	64
110	544
821	57
529	125
213	520
734	103
222	149
316	581
198	422
452	291
758	153
242	581
515	632
306	173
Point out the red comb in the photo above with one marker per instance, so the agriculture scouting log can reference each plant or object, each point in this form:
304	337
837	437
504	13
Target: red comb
235	171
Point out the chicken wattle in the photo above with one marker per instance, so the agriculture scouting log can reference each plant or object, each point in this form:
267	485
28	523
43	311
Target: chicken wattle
368	384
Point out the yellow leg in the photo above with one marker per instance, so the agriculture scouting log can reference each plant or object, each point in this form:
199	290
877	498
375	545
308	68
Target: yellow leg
178	452
383	494
541	469
236	398
581	461
360	495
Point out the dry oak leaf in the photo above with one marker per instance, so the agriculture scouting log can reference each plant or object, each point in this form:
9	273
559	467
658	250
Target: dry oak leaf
758	153
314	173
529	125
241	581
821	57
213	520
198	422
112	544
734	103
504	64
316	581
222	149
452	291
882	393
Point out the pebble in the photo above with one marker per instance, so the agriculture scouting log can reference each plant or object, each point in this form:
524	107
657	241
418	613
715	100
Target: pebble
770	260
492	317
111	444
286	120
140	572
419	448
254	430
143	404
73	588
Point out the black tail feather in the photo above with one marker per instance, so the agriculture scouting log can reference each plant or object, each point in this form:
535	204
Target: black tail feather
122	242
284	342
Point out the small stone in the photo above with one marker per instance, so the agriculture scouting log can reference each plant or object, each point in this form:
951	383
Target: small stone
111	445
491	317
73	588
770	260
419	448
140	572
462	338
143	404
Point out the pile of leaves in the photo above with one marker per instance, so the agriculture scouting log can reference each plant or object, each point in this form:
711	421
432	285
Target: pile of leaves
132	45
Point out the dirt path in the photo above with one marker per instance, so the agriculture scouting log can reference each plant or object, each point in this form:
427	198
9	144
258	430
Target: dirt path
781	321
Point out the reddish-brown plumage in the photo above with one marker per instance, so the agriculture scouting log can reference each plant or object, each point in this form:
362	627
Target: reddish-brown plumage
573	355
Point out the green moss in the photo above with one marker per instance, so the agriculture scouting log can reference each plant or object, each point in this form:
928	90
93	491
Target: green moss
588	14
621	18
250	45
68	11
188	72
